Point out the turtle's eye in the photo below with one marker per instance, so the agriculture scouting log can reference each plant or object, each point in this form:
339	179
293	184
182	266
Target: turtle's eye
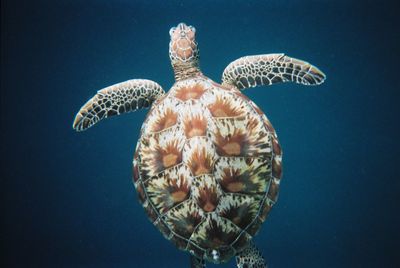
172	30
193	29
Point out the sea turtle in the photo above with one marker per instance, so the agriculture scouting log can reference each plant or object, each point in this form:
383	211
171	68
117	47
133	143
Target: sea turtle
207	165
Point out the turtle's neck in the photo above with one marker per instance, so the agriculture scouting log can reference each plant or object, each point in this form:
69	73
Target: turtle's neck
185	70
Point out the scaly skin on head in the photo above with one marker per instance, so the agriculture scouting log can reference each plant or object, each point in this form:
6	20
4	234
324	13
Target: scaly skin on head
183	52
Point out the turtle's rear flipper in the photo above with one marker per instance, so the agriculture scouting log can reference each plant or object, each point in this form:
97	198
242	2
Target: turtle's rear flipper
250	258
120	98
268	69
196	262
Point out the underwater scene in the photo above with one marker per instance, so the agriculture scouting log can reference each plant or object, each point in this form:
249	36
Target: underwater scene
135	134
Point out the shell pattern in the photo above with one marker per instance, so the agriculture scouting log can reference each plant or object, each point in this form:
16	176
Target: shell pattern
207	168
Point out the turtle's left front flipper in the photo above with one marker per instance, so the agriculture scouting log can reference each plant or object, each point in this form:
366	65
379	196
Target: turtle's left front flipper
120	98
252	71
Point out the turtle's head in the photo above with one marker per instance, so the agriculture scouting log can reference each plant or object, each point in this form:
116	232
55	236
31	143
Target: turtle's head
183	51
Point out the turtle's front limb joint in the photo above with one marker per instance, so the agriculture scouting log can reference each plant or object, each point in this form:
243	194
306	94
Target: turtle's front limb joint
250	257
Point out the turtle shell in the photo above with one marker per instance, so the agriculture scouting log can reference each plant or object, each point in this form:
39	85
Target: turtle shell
207	168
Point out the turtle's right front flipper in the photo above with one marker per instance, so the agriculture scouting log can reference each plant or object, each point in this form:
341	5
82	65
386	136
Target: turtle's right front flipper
268	69
120	98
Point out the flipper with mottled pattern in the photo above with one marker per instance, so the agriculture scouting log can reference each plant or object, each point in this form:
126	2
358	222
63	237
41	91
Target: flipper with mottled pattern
268	69
120	98
250	258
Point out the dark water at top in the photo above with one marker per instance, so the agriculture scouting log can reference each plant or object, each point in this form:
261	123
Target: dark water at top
68	200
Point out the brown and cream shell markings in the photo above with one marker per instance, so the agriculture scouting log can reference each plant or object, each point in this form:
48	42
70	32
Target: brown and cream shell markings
208	163
207	168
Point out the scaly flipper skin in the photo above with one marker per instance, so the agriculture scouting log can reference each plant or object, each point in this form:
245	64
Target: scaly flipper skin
268	69
120	98
250	258
196	262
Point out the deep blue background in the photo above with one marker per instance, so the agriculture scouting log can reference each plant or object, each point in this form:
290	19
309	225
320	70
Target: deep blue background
67	198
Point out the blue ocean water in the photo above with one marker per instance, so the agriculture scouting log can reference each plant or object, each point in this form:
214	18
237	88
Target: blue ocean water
67	197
